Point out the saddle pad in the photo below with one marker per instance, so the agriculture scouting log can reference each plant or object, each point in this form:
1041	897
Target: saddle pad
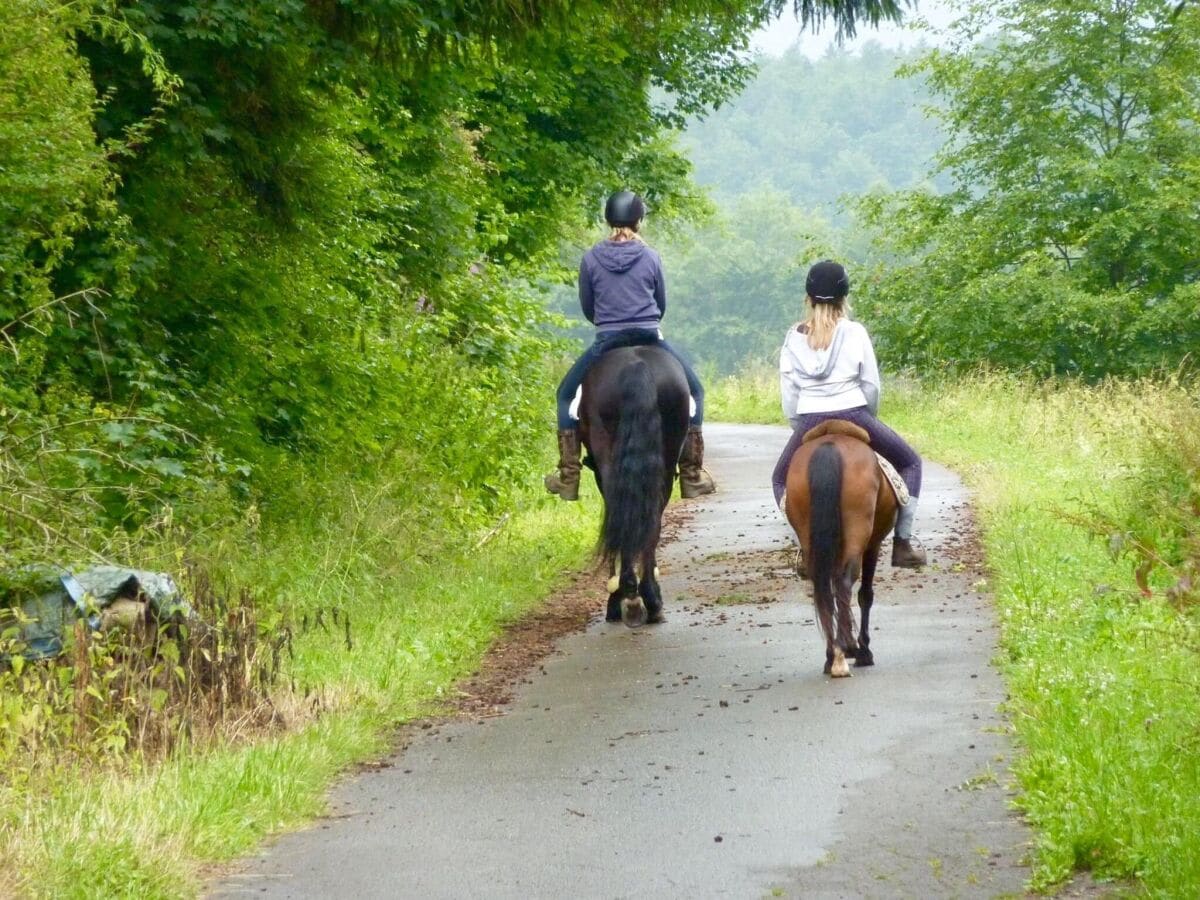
573	410
898	486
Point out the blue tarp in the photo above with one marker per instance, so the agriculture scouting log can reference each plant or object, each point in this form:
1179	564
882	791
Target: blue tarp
51	600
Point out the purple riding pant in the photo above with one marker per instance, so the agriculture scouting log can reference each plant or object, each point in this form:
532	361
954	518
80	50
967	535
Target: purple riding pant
884	441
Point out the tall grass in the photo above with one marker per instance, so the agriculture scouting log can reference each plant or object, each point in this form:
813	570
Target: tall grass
423	603
750	396
1102	667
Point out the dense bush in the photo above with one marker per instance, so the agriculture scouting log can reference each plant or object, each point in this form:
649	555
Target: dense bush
243	239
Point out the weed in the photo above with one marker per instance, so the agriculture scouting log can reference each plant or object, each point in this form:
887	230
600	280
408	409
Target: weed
734	599
979	782
1052	466
146	689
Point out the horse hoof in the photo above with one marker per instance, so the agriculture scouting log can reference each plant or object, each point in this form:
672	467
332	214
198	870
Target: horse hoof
864	658
633	612
838	668
655	618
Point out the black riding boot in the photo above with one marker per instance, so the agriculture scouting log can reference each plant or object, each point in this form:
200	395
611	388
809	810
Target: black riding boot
693	480
565	482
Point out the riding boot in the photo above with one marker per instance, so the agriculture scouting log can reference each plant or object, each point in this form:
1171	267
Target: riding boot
694	481
565	482
906	554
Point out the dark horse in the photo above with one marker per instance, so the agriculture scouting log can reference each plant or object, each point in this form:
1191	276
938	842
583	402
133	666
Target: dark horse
841	507
633	417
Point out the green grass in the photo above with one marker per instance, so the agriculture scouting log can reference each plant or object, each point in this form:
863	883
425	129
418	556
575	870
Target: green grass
751	396
1105	697
420	622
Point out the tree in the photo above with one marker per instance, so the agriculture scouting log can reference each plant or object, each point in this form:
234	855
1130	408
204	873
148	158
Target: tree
818	130
1073	131
307	227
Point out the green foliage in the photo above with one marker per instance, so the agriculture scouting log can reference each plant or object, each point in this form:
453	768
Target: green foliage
1066	242
298	232
1155	519
749	395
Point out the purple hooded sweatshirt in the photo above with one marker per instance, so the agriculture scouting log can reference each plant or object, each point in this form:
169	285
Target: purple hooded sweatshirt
621	286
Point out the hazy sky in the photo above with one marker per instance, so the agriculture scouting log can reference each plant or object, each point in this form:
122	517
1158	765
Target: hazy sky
785	32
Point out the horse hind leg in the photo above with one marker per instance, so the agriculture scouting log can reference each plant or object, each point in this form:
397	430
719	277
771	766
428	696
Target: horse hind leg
837	625
866	598
633	607
835	655
844	589
836	665
613	612
650	591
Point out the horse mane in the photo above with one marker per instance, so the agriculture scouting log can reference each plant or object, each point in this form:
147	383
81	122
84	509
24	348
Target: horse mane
836	426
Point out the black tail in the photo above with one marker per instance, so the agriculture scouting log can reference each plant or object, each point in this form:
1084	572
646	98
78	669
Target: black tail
633	494
825	521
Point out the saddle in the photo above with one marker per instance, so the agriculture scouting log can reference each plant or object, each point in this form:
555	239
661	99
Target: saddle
632	337
841	426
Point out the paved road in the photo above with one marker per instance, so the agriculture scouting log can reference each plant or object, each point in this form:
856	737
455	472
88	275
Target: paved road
707	757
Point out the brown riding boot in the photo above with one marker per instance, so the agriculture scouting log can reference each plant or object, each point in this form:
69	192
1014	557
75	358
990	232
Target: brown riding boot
565	482
693	480
905	555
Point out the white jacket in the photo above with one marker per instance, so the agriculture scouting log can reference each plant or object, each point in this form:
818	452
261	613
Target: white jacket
843	376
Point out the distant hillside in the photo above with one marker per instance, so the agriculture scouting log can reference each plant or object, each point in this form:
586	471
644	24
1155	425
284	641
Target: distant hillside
817	129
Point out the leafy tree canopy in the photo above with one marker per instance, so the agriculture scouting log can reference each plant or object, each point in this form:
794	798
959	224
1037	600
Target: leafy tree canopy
1068	241
304	231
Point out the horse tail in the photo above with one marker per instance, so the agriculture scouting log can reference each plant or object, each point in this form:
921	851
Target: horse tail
825	521
633	495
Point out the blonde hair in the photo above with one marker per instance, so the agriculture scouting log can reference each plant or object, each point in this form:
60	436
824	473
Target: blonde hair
625	233
822	319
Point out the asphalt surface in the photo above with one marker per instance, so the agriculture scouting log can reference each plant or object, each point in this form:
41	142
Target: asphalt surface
708	756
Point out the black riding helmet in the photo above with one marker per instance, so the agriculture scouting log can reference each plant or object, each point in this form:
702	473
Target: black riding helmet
624	209
827	282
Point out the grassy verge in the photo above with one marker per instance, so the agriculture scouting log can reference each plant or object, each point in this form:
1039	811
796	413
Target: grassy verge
1103	676
1105	696
751	396
421	619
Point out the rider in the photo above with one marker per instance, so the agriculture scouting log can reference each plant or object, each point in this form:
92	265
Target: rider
827	370
622	292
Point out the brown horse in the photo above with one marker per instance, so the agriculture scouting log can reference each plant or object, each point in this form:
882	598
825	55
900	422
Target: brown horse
633	416
841	507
